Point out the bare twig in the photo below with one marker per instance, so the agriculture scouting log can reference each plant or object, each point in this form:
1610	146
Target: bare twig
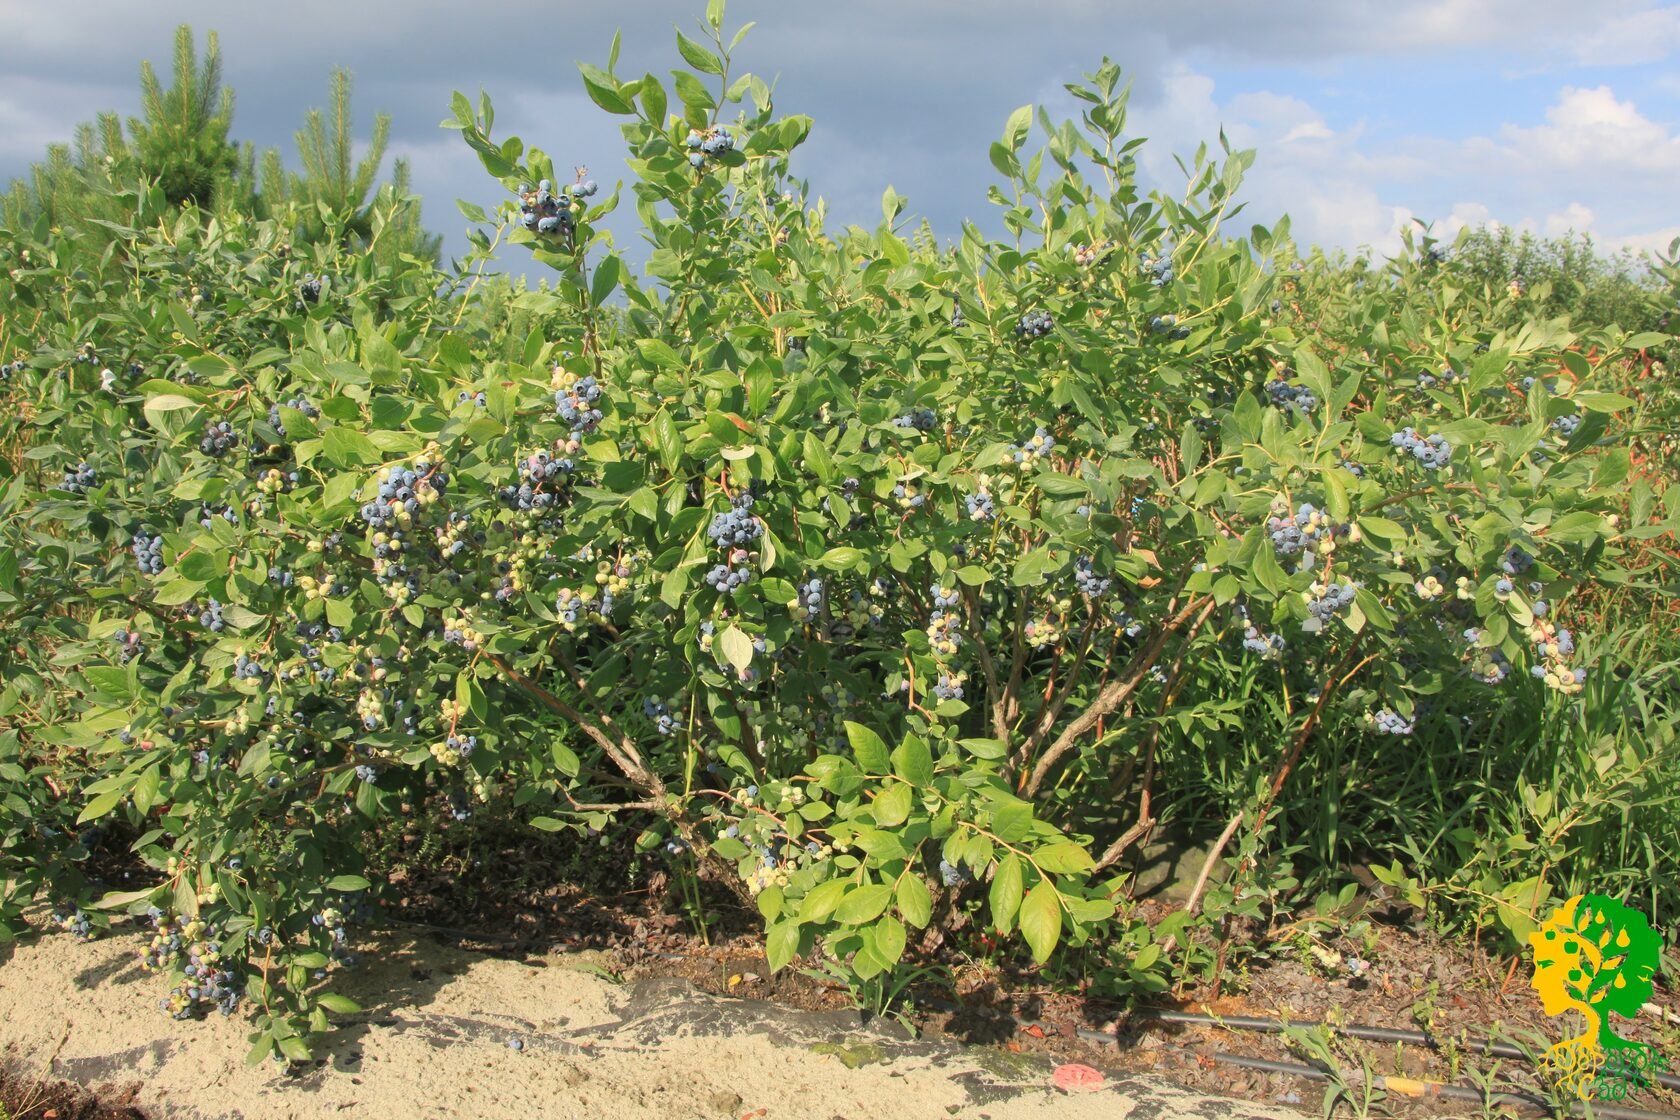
1212	859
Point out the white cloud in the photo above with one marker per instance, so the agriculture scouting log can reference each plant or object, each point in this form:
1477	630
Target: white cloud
913	93
1594	164
1637	37
1574	218
1590	129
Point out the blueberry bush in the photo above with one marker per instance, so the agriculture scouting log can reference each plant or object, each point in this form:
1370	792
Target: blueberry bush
895	588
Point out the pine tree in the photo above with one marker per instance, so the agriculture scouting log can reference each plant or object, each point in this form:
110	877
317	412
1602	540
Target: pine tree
182	141
332	196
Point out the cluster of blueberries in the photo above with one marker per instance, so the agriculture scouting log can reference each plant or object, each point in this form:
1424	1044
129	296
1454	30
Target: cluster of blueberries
245	669
548	211
1298	532
980	506
576	405
953	874
921	419
206	980
396	489
950	686
1086	581
1389	723
1034	324
1447	376
298	404
129	645
808	601
79	478
1159	269
1291	397
1490	666
1327	604
1038	446
207	515
713	142
77	923
148	553
1566	426
1433	452
730	532
310	290
1266	645
1168	325
476	398
660	713
944	633
16	367
219	439
536	470
909	496
211	617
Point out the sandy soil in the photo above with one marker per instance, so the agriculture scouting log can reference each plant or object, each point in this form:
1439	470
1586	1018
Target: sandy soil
435	1038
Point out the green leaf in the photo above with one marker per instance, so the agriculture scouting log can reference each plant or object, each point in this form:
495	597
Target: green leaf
110	680
1015	129
348	883
339	1005
892	808
863	904
1041	920
870	751
1005	894
695	97
915	903
820	901
697	56
99	806
781	944
346	447
603	89
889	939
1385	531
1065	858
913	762
842	558
658	353
667	439
736	646
1576	527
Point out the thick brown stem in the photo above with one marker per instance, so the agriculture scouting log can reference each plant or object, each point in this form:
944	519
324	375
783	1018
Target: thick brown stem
1212	859
621	752
1278	779
1000	725
1111	697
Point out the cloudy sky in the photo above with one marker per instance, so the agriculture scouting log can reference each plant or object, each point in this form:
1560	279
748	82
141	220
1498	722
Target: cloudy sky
1552	115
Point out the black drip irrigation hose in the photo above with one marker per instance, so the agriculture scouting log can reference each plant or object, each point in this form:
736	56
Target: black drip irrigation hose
1407	1087
1369	1034
1404	1086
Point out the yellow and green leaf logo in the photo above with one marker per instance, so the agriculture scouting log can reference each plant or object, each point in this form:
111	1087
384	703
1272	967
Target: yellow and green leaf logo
1596	956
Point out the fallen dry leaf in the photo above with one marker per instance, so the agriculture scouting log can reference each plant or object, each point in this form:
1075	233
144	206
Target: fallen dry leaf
1077	1078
